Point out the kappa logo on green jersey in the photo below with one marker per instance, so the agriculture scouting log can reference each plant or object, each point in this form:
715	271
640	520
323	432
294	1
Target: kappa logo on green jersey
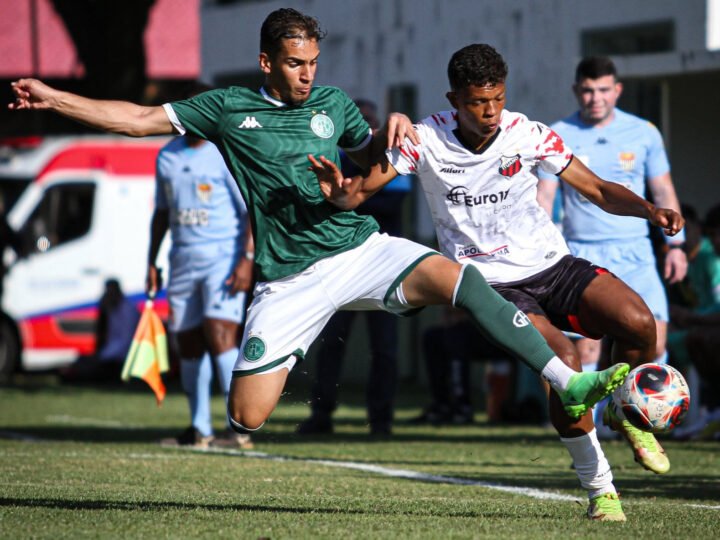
254	349
322	125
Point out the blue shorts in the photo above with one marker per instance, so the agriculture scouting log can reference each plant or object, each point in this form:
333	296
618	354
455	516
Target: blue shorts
633	261
196	288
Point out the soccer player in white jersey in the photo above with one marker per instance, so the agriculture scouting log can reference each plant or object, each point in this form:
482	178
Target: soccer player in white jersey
628	150
478	167
312	258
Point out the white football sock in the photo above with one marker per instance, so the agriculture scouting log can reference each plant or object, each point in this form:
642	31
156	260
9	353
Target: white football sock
590	463
557	373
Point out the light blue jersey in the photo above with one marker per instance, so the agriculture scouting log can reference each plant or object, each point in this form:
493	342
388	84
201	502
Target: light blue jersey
203	199
628	151
207	226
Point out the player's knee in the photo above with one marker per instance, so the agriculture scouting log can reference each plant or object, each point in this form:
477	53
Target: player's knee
643	326
245	417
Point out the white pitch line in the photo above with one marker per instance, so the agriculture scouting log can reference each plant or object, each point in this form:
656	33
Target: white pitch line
365	467
88	422
402	473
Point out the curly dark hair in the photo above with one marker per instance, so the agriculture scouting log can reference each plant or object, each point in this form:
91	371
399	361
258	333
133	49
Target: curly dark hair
594	67
476	65
287	23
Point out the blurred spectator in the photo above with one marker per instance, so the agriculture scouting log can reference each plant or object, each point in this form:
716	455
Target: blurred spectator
386	208
449	347
694	337
117	319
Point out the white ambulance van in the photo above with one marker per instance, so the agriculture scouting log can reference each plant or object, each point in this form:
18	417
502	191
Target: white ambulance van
84	219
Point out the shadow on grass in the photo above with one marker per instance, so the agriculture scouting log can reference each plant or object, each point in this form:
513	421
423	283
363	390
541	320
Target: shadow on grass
170	506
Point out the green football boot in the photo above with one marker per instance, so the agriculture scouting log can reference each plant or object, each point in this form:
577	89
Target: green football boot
585	389
606	507
647	450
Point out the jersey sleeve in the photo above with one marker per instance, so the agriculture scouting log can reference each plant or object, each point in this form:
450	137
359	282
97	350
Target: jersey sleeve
200	116
406	159
357	132
553	156
657	162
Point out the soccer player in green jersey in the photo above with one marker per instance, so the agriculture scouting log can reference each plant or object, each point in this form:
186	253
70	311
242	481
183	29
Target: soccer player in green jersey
313	258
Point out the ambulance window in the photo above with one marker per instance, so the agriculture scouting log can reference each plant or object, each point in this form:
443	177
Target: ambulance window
63	214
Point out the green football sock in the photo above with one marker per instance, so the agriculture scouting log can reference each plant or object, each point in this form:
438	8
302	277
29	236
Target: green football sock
501	321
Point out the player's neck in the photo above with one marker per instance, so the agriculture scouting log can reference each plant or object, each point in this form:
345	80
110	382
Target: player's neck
598	123
475	142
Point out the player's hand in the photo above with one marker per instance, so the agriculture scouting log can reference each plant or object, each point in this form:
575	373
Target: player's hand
153	281
668	220
32	94
334	186
676	265
398	127
241	278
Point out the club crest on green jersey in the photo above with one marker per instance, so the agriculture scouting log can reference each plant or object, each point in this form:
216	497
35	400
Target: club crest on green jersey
254	349
322	125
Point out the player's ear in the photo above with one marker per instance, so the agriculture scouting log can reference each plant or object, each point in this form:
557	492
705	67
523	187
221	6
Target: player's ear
619	88
452	98
264	61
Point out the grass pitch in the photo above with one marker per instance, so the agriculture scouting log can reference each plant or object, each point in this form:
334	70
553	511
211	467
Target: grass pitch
79	462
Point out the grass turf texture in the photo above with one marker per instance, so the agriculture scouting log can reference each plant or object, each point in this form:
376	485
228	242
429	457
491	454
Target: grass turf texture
95	470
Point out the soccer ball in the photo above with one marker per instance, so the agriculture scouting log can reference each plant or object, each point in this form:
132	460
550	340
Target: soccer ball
654	398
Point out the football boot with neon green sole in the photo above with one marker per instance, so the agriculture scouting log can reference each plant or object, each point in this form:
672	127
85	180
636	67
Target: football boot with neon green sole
647	450
585	389
606	507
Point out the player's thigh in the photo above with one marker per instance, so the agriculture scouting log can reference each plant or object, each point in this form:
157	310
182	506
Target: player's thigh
221	335
609	307
432	281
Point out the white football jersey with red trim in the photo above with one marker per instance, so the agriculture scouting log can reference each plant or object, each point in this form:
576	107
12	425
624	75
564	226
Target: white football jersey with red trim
484	204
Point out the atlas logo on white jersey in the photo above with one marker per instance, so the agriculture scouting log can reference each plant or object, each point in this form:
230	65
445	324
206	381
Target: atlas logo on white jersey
250	123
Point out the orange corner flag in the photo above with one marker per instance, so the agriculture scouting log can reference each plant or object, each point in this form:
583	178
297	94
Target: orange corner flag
148	355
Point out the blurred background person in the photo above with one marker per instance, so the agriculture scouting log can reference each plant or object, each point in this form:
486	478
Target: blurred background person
386	207
117	319
211	264
449	348
628	150
694	336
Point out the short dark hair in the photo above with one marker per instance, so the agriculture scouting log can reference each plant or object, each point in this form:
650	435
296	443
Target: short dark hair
287	23
476	65
594	67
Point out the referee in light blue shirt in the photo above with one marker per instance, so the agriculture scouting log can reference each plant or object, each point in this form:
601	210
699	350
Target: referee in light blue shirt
211	262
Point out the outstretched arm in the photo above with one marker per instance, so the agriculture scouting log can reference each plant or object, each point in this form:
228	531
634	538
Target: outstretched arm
113	116
348	193
617	199
663	193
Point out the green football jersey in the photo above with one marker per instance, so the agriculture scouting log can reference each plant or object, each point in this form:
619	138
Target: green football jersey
265	145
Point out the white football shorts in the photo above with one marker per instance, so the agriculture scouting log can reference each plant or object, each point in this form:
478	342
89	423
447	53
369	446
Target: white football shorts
287	315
